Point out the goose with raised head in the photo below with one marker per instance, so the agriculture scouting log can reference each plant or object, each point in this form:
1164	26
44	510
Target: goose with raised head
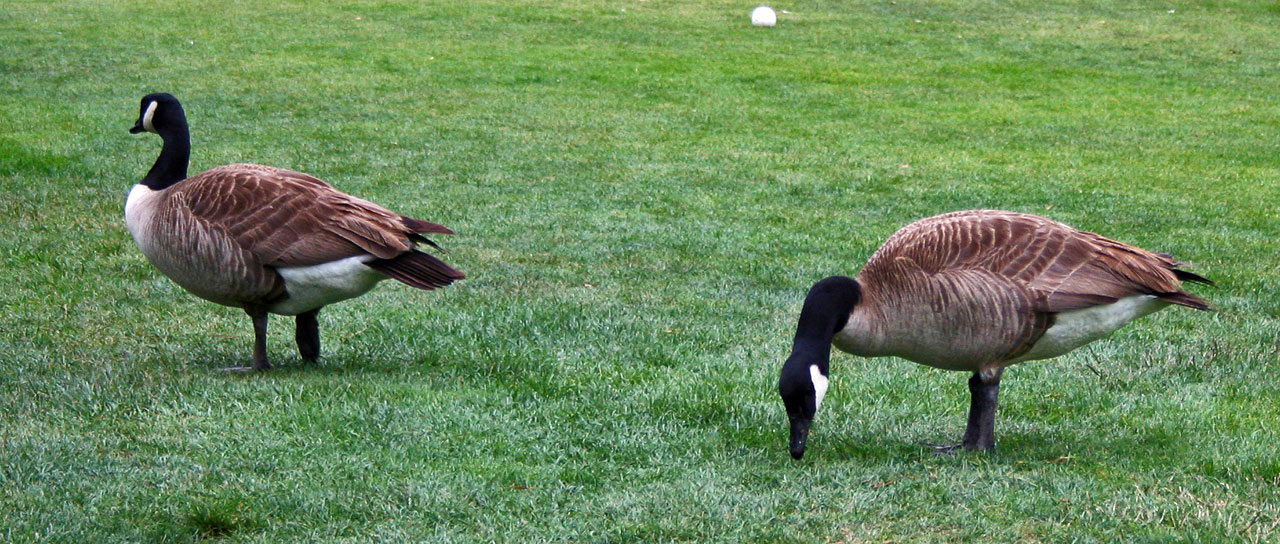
975	291
268	240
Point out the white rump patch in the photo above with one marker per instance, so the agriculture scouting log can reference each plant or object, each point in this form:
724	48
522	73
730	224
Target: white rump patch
1076	328
146	117
820	383
311	287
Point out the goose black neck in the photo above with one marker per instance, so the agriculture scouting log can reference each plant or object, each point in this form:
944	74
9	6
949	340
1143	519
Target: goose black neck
171	165
825	312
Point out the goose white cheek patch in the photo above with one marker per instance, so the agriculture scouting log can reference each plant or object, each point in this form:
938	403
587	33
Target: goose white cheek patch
819	386
146	117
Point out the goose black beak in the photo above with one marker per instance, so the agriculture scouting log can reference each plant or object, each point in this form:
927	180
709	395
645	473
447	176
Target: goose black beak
137	127
799	435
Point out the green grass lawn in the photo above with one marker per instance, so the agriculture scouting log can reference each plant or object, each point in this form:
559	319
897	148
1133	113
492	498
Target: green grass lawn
643	191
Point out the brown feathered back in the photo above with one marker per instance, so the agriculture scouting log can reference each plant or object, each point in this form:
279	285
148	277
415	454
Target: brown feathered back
288	218
1064	268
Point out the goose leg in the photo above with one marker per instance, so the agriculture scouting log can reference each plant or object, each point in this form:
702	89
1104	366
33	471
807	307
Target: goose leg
308	335
260	361
984	387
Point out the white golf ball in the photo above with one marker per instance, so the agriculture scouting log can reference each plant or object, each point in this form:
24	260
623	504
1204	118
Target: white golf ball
764	16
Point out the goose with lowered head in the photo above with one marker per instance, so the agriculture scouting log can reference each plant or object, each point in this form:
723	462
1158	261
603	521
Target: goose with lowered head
975	291
268	240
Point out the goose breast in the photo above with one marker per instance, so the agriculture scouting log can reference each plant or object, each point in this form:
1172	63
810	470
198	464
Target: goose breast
196	254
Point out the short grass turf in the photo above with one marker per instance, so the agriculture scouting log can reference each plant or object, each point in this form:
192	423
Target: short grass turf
643	191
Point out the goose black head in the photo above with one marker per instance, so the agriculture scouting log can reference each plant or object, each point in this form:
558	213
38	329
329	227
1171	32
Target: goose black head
805	374
162	114
157	112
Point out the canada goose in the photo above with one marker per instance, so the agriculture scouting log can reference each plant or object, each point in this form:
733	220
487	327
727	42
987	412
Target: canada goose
265	239
975	291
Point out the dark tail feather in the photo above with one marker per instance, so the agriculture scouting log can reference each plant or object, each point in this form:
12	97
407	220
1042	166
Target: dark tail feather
1186	299
418	225
1183	275
417	269
423	240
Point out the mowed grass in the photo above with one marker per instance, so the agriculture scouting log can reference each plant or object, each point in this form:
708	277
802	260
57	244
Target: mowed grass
643	191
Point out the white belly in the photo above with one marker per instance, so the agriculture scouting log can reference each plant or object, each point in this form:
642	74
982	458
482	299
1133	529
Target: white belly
189	264
1076	328
311	287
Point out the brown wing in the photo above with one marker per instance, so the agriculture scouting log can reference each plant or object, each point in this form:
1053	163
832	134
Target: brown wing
1037	266
1064	268
287	218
